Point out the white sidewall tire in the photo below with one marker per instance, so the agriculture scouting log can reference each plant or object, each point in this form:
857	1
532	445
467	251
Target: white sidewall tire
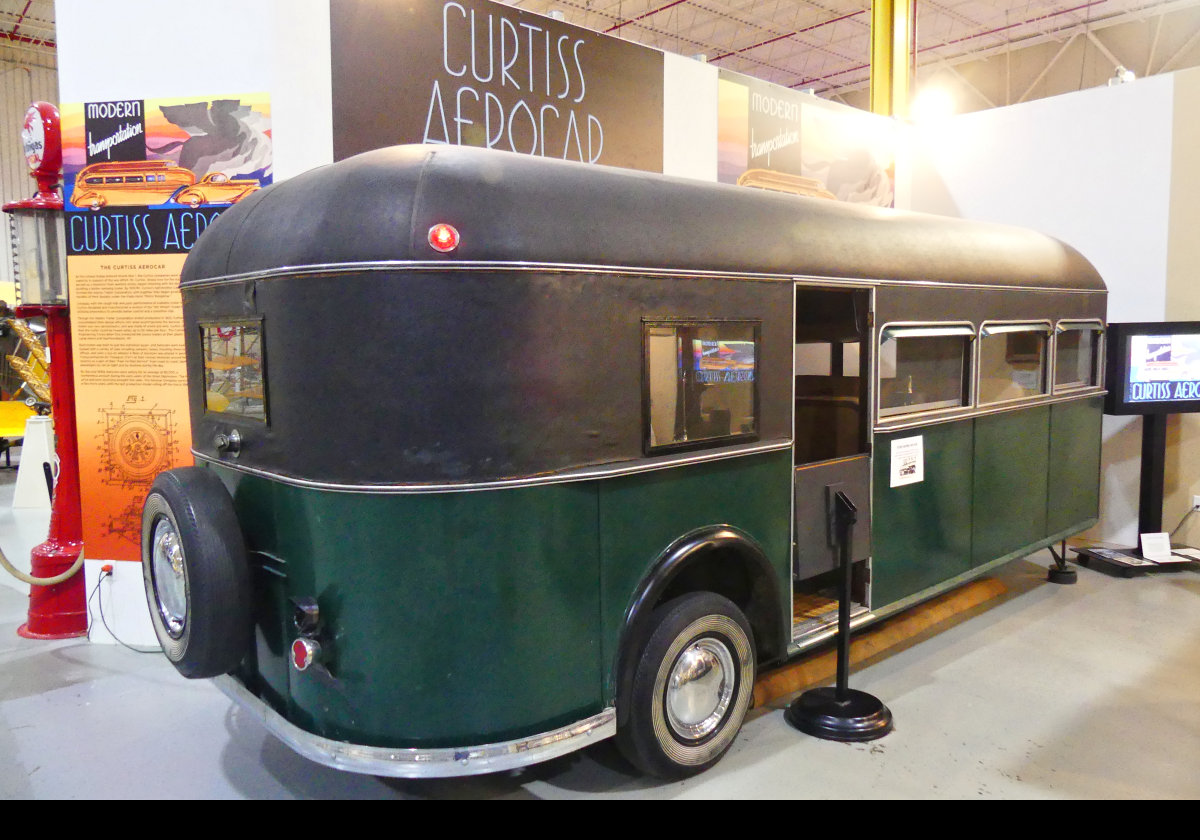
648	739
217	626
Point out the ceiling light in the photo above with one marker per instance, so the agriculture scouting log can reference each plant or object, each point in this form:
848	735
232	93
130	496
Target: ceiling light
932	104
1122	76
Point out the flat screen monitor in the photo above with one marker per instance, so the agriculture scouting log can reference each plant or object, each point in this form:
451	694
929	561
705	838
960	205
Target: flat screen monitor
1153	368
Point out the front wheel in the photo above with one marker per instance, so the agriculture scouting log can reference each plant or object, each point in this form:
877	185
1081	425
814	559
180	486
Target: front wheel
692	686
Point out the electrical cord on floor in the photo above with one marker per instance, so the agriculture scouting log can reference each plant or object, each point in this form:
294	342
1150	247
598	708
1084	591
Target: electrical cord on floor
1186	517
95	589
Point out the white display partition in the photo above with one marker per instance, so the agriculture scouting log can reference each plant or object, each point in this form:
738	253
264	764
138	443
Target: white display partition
281	51
37	449
1093	169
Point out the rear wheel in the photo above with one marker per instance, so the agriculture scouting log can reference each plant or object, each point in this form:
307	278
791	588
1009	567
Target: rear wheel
195	572
692	686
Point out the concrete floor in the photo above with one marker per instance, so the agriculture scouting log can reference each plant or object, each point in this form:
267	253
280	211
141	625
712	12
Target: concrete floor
1086	691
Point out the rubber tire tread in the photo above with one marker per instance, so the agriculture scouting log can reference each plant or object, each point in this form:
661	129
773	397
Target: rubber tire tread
218	626
636	740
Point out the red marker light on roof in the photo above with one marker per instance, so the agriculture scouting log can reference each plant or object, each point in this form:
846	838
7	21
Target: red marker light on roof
443	238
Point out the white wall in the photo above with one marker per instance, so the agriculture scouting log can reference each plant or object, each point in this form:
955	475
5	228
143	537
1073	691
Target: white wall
1093	169
141	49
689	118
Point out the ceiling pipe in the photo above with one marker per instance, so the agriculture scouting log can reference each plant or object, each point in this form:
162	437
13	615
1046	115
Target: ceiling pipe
645	15
1039	18
790	34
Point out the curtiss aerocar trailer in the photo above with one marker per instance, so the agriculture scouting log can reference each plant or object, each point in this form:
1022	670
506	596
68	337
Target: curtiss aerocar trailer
498	456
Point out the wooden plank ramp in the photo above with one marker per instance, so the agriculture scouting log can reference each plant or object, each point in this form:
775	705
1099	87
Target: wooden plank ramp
820	667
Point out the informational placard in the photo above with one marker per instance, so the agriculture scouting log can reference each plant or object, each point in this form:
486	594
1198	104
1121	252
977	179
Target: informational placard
908	461
143	178
1156	547
477	73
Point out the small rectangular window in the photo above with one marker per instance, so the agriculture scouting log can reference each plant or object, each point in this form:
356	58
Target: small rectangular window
1012	362
233	369
114	179
924	369
1077	355
701	382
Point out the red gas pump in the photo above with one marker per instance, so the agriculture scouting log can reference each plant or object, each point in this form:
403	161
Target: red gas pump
57	602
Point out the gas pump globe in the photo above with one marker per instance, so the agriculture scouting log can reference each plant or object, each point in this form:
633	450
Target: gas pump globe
56	597
36	224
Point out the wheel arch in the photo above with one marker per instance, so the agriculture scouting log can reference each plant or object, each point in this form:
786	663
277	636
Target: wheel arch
720	559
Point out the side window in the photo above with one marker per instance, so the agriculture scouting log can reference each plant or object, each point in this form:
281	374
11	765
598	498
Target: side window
233	369
700	383
1013	361
924	368
1077	355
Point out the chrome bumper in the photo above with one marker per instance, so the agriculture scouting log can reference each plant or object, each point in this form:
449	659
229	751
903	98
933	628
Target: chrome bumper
424	763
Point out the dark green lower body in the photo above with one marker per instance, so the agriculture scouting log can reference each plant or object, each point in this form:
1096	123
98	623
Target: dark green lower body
996	486
464	618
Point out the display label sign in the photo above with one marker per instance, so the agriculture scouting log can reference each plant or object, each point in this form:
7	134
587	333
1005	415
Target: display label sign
908	461
476	73
1163	368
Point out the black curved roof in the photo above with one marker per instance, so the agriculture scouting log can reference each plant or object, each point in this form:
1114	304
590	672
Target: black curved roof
379	206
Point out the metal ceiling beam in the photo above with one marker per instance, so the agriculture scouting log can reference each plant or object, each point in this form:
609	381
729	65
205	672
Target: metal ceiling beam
1045	70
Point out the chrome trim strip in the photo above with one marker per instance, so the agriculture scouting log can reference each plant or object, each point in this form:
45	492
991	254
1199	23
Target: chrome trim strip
895	330
807	641
424	763
582	474
494	265
998	408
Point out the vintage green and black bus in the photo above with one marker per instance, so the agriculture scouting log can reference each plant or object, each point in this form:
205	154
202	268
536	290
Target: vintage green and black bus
498	456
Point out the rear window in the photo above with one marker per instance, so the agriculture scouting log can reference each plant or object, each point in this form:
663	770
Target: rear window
233	369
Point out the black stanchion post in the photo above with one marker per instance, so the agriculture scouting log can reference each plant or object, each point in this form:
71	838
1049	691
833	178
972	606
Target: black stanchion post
841	713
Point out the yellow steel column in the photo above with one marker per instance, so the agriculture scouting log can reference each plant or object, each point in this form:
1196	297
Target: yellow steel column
891	55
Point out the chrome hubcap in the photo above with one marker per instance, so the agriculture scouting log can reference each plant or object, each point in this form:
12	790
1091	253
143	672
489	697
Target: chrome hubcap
170	584
700	689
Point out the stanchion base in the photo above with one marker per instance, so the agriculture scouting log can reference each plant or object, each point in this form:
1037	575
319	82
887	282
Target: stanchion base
1057	574
859	717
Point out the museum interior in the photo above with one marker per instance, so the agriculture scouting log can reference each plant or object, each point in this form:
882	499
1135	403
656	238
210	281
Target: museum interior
600	399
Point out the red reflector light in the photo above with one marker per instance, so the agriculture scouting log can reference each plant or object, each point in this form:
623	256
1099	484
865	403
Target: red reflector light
443	237
304	653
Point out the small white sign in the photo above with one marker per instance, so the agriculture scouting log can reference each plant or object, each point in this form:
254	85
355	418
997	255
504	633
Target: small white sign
1156	547
908	461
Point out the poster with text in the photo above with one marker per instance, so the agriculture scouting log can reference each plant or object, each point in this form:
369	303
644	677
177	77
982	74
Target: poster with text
143	178
477	73
778	139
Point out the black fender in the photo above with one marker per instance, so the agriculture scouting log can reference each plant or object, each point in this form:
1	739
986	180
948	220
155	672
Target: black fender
690	564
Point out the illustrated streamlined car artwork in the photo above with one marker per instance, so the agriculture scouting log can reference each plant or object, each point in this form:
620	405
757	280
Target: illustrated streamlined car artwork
147	182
